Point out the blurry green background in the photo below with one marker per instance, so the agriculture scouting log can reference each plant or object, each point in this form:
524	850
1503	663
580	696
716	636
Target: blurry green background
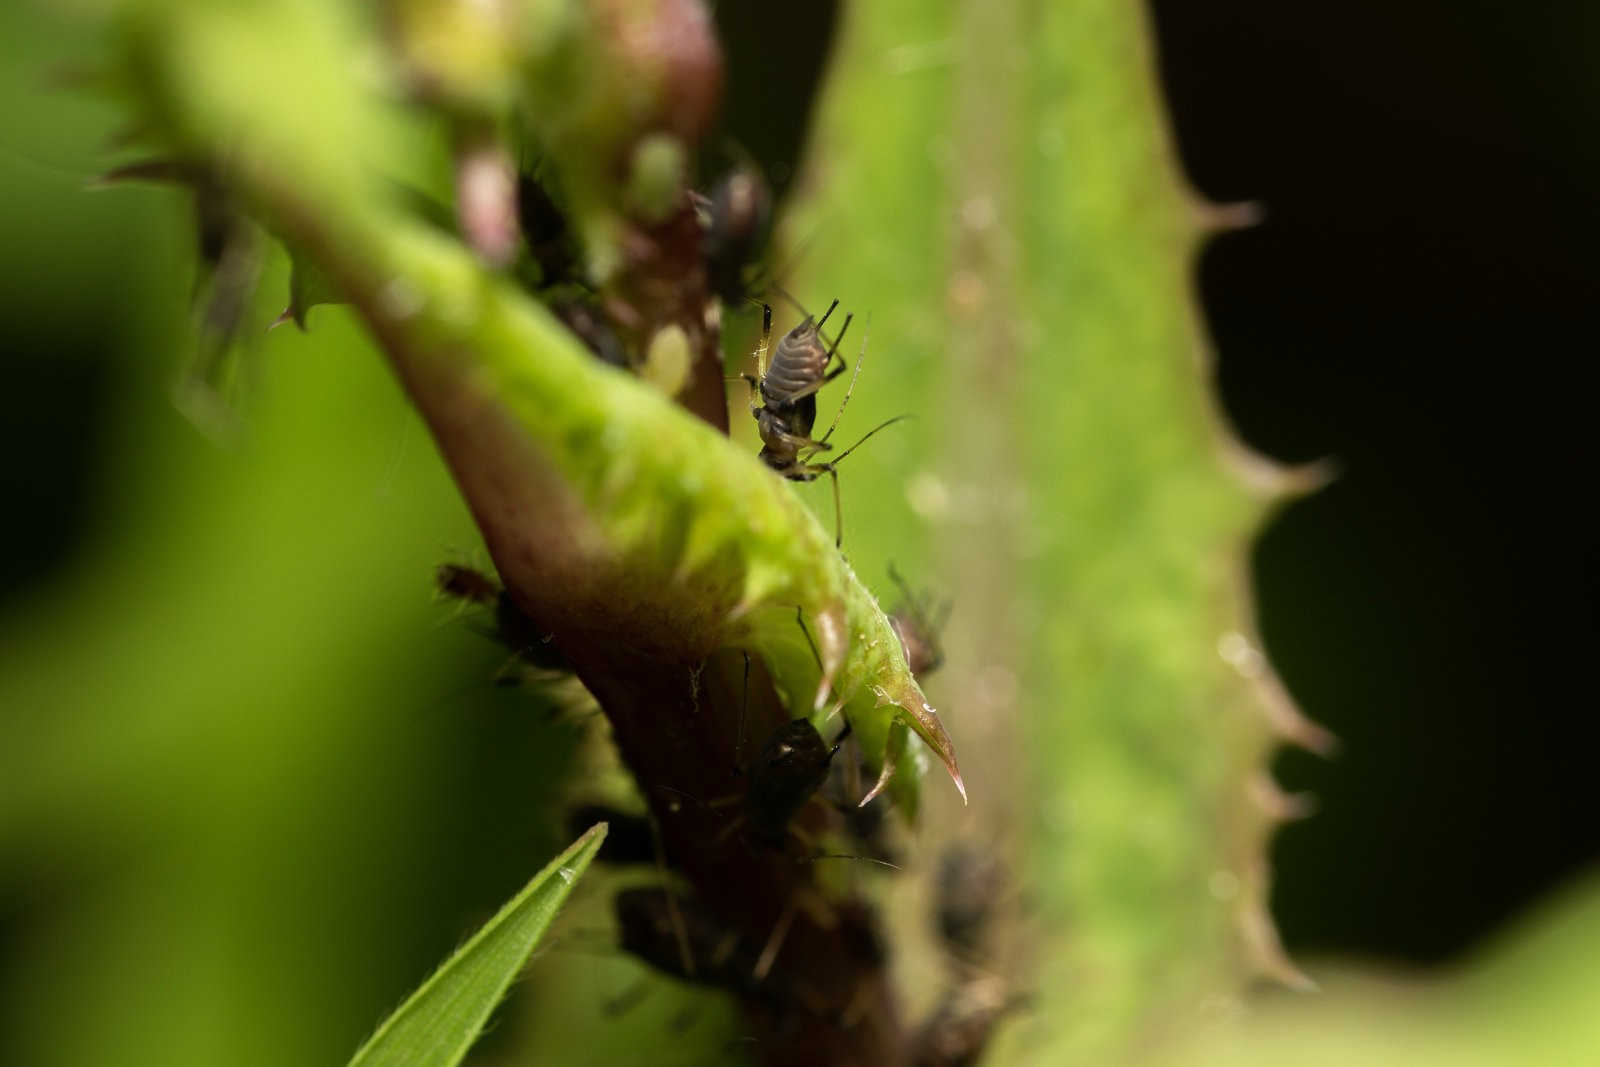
255	781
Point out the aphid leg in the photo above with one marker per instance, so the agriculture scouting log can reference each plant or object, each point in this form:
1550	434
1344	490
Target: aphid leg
807	842
769	953
744	706
766	340
833	350
847	856
680	929
755	393
856	1010
800	617
882	425
904	586
510	672
852	770
804	472
824	320
727	830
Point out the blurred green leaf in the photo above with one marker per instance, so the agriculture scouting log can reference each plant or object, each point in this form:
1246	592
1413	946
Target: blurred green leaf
439	1022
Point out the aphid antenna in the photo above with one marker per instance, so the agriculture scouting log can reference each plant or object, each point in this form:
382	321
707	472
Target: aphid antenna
861	358
744	707
882	425
931	612
685	794
838	742
780	932
904	586
797	253
680	930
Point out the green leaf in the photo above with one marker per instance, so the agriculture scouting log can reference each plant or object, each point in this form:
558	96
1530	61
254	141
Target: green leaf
439	1022
642	504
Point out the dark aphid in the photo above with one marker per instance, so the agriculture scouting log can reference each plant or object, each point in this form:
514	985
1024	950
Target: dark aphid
592	328
544	228
512	628
791	767
919	625
737	218
630	841
647	920
970	882
230	256
464	583
787	386
521	635
679	936
959	1028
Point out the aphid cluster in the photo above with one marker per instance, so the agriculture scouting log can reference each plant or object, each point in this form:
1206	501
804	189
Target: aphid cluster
675	933
673	928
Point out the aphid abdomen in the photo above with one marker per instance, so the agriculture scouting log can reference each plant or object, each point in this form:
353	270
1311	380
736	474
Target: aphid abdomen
798	365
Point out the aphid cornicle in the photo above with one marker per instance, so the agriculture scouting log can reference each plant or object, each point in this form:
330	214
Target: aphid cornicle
787	386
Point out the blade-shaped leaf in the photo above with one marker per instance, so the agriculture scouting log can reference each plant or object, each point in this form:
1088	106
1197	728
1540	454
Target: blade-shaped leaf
439	1022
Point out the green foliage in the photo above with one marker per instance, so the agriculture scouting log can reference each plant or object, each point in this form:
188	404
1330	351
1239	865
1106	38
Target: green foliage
242	764
703	533
441	1020
996	189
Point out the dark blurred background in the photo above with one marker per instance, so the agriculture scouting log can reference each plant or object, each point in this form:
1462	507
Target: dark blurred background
1419	305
